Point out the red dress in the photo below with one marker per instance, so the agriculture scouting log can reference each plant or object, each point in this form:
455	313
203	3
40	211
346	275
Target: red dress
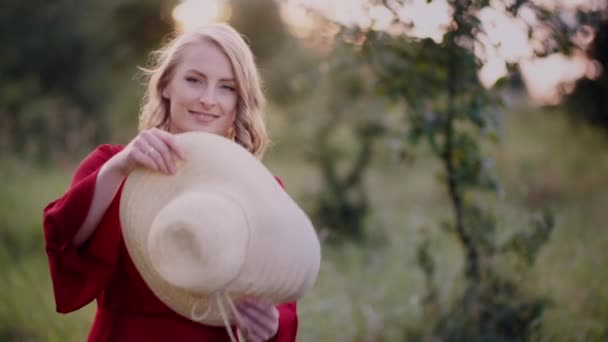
101	269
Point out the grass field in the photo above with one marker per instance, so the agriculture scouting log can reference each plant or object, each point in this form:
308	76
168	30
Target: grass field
373	293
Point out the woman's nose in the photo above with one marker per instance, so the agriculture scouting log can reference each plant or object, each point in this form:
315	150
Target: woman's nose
208	96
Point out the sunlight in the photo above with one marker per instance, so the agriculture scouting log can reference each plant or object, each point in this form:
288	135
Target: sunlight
572	4
428	19
549	79
345	12
505	40
493	70
300	23
192	13
506	36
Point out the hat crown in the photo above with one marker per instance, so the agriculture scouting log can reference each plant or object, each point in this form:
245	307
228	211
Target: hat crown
220	224
198	241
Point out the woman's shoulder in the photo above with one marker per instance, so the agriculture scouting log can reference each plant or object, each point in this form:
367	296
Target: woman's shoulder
103	151
108	148
95	159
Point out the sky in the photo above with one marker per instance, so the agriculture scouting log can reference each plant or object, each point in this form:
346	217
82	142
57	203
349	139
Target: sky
506	39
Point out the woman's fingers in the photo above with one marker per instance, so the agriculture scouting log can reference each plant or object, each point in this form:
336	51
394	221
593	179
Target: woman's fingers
251	332
171	142
162	150
258	320
154	149
149	153
258	324
261	316
143	159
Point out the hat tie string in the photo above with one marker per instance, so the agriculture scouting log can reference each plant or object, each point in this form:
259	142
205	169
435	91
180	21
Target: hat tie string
218	297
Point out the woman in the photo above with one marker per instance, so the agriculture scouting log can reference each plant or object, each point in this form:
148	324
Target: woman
203	80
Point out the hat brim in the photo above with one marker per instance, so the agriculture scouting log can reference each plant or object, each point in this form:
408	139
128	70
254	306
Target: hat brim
282	255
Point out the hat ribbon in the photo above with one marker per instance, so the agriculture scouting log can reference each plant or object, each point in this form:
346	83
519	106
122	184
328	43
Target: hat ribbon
218	297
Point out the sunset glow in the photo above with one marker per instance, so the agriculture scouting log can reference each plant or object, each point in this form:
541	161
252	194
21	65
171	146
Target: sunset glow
192	13
505	39
548	79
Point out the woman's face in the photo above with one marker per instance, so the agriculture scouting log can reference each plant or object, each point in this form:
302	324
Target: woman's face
202	92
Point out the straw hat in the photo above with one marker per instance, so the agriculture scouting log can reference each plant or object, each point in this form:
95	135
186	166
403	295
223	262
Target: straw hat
221	226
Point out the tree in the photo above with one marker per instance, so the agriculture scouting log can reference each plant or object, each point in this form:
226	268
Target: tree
342	206
589	100
447	108
61	69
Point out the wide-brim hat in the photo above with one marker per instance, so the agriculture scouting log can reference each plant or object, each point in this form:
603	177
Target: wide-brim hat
221	225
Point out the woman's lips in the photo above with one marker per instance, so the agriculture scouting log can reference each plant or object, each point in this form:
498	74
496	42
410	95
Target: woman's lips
204	117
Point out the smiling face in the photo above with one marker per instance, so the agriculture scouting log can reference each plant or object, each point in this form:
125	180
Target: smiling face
202	91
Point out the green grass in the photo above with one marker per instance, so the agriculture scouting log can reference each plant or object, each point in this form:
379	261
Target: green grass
27	311
374	292
542	161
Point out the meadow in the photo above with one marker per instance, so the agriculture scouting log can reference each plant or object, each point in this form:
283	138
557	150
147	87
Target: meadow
372	292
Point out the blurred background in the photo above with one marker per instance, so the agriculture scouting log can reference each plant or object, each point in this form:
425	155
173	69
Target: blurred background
452	154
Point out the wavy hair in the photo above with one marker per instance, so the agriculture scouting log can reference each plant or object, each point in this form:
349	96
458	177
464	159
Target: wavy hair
249	128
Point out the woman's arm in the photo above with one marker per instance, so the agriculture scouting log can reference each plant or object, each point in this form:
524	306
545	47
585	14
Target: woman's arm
107	183
78	275
82	256
151	149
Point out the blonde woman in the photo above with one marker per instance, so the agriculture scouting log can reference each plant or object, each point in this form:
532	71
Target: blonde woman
202	80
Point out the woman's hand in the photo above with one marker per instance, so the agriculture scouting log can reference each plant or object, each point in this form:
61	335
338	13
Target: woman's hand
152	148
258	321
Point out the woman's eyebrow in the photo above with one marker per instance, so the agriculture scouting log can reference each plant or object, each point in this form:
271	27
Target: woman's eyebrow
194	71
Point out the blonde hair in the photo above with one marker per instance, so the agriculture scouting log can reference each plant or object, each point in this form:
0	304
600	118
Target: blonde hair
249	129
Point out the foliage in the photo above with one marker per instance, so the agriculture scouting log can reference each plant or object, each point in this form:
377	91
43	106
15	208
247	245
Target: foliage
496	311
291	73
448	108
588	100
63	85
60	66
342	205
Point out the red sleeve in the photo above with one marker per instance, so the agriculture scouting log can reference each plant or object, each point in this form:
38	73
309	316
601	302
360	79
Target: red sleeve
288	323
280	181
288	314
79	274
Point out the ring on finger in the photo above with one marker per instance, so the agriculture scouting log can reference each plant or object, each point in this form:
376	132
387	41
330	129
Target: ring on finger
149	151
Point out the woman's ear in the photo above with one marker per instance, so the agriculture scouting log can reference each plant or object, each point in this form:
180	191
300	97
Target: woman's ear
165	93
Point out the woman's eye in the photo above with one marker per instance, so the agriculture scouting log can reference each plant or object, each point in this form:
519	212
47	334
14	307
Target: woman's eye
228	87
193	80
